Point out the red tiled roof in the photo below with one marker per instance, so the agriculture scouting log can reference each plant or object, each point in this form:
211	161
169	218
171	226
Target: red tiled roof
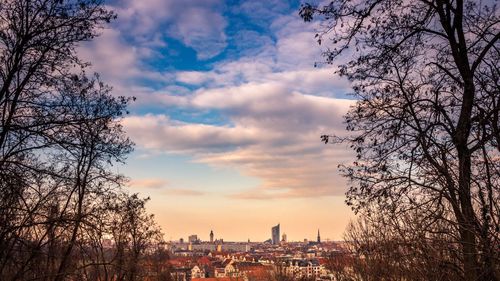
204	261
180	261
322	261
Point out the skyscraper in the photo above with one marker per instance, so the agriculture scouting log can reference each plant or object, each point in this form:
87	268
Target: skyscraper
276	234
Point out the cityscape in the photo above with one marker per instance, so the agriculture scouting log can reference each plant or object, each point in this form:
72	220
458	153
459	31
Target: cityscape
216	259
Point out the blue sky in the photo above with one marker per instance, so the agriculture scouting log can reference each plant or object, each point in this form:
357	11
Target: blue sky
228	116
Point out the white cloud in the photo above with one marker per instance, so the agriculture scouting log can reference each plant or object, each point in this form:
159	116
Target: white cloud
108	53
201	29
276	103
158	132
275	137
192	77
198	24
249	43
262	11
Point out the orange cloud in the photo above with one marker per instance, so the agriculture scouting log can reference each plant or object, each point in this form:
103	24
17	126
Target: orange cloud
148	183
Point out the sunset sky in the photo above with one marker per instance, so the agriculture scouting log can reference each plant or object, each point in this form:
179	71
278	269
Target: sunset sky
228	117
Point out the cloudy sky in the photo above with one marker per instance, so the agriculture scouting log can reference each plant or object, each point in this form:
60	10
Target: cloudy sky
228	116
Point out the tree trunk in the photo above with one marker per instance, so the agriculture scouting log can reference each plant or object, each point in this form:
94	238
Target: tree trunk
466	218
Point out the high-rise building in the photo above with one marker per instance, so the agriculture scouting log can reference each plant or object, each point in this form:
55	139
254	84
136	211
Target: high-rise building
283	237
319	238
275	231
211	236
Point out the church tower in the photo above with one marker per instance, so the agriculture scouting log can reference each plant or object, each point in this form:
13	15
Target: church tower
211	236
319	238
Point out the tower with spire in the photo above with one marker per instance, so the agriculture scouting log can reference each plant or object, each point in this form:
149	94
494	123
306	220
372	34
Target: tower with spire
211	236
319	237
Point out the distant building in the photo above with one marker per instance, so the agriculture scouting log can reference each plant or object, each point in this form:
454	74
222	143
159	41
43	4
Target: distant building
193	238
275	231
211	236
300	268
235	247
283	238
203	247
181	274
319	238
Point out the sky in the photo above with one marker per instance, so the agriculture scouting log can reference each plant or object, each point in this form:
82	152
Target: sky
227	121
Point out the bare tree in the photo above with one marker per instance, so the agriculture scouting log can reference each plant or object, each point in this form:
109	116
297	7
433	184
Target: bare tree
54	211
37	57
122	242
382	247
341	264
425	127
138	236
60	134
91	144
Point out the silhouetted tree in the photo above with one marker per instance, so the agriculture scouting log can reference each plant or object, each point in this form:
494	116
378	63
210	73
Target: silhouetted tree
60	134
426	124
340	265
410	247
136	235
37	59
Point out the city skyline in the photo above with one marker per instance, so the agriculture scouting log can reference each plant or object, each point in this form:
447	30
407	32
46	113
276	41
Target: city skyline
208	237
